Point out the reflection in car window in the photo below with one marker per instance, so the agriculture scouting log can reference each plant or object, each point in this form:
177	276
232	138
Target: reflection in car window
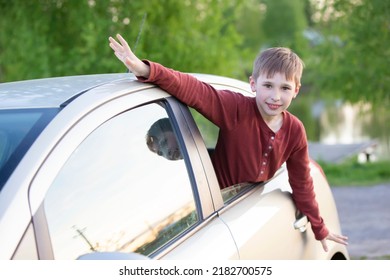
115	194
162	140
228	194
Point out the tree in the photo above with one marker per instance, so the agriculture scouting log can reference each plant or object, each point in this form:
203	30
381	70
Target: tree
353	60
192	36
45	38
53	38
284	24
22	40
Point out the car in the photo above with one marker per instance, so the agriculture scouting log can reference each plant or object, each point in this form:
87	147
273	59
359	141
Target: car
84	174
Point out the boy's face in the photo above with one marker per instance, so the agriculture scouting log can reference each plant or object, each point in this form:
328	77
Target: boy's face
168	147
273	95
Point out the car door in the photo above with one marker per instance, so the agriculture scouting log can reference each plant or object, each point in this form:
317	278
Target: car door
105	188
267	227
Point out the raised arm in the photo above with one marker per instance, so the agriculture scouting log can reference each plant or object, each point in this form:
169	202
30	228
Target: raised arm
123	53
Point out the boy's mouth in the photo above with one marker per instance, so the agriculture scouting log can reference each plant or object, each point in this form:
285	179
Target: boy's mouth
273	106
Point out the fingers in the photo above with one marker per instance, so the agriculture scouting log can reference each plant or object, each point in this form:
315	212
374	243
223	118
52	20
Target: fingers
334	237
113	42
115	45
324	245
338	238
120	52
120	47
120	57
123	42
123	52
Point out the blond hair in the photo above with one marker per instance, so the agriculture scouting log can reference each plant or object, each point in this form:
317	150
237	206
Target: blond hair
278	60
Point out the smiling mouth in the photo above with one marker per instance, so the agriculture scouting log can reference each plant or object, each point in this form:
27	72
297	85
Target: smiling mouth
273	106
176	155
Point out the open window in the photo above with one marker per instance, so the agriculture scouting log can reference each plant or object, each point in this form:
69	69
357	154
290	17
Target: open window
209	132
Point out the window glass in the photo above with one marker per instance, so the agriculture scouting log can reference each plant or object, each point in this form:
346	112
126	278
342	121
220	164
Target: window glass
125	189
232	192
18	130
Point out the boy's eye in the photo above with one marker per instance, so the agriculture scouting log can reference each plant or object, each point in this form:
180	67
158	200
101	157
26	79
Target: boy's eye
267	85
286	88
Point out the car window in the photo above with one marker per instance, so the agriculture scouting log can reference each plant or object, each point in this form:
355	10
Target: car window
124	189
18	130
229	193
209	132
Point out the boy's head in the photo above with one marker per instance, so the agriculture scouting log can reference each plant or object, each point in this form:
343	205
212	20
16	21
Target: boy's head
278	60
161	140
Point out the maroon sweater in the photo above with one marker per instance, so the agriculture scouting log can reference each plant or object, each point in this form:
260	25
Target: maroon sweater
247	149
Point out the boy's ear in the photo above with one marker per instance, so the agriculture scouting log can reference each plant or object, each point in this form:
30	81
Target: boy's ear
297	88
252	82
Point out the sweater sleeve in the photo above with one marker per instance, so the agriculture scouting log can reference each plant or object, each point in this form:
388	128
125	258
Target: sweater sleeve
302	186
219	106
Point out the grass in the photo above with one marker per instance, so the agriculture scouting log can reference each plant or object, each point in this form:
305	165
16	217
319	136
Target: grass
352	173
386	257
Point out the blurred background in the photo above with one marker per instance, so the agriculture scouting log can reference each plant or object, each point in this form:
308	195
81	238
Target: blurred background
345	45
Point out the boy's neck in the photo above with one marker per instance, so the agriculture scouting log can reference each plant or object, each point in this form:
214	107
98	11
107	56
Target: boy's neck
274	122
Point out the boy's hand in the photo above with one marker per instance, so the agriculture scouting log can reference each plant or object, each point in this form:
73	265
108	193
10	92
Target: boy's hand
124	54
334	237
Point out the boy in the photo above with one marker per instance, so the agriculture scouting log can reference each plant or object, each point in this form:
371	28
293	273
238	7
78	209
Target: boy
257	135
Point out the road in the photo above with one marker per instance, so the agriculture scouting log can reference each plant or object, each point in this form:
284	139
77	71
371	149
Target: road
364	214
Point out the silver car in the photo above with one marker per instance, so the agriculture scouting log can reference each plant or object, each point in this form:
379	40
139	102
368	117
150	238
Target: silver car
106	167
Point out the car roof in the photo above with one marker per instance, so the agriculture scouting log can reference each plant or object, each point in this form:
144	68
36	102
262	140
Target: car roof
58	91
52	92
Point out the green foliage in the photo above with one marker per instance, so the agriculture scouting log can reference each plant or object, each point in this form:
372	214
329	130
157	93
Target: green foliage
302	107
192	36
70	37
352	173
284	24
353	59
53	38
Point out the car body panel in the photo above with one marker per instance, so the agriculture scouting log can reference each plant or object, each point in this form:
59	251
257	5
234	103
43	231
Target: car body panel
49	92
212	241
261	211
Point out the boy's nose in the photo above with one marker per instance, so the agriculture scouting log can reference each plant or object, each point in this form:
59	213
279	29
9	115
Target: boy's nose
275	95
